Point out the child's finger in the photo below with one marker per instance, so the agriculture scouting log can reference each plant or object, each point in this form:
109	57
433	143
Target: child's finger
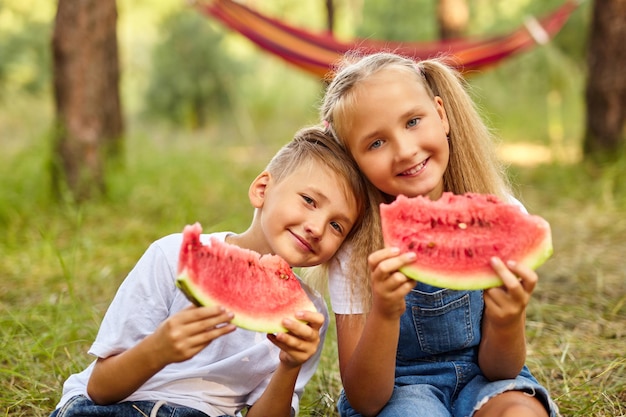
390	265
200	340
203	319
296	345
527	277
305	330
313	319
515	275
380	255
193	314
509	280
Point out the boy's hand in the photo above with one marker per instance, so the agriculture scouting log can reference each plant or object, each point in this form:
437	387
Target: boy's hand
302	339
189	331
389	287
506	304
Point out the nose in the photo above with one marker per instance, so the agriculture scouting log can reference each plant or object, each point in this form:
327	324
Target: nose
405	147
314	227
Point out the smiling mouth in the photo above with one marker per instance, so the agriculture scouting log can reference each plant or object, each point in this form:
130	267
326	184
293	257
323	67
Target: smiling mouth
303	242
417	168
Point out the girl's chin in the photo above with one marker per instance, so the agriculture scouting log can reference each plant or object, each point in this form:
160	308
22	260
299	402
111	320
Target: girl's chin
423	191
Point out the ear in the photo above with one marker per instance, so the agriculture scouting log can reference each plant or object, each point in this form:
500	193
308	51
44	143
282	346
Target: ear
256	192
441	111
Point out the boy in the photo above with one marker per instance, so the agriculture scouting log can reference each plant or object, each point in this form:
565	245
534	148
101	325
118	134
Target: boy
157	355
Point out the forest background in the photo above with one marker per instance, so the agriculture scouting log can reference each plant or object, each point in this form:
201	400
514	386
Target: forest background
204	109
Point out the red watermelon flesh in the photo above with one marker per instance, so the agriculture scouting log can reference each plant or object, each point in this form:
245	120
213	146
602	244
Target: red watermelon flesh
455	237
261	290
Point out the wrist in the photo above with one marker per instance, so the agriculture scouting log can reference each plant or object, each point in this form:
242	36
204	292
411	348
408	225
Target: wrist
386	316
289	367
151	354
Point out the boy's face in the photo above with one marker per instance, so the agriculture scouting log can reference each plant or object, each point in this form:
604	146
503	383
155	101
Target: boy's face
307	215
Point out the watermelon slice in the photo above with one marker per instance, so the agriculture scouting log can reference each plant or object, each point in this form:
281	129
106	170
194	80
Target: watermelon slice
455	237
261	291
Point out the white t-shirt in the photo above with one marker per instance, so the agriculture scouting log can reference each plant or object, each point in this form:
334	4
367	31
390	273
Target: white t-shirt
228	375
339	282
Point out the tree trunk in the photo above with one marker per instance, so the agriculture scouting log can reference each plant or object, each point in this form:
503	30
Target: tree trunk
86	90
606	83
330	15
452	17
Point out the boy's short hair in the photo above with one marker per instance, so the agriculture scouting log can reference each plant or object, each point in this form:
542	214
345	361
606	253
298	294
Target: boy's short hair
314	144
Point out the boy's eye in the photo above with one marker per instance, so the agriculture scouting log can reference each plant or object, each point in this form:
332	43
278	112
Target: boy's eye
376	144
308	200
337	227
413	122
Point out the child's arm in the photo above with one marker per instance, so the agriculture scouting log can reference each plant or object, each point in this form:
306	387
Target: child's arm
367	349
502	350
177	339
297	346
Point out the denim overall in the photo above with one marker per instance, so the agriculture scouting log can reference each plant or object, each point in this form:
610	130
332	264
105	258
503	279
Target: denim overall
437	373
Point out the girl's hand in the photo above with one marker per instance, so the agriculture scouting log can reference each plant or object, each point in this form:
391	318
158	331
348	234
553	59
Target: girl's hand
389	287
189	331
506	305
302	339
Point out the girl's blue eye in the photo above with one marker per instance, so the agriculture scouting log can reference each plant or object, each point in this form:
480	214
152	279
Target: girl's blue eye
413	122
376	144
308	199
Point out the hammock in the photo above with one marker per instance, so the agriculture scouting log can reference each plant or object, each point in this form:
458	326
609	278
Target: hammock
317	52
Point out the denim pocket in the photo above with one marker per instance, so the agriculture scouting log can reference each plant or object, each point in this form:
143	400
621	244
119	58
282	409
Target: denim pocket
440	322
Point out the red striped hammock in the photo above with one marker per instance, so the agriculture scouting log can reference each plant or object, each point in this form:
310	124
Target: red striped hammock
317	52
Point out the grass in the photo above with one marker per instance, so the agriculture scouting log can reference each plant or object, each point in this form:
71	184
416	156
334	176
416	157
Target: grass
61	265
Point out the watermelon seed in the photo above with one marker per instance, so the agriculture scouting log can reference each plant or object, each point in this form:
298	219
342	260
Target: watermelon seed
431	244
462	226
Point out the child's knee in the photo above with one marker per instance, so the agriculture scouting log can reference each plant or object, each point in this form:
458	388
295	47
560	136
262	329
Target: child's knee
513	404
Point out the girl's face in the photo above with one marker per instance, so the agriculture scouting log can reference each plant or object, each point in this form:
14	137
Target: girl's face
398	134
306	216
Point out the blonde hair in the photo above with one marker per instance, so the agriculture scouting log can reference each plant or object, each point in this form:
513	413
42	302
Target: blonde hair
473	165
314	144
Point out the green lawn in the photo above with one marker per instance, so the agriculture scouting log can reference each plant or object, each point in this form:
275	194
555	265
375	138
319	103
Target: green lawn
62	264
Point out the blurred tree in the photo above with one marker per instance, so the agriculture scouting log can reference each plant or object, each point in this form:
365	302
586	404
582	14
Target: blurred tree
606	83
330	15
191	73
453	18
86	89
404	20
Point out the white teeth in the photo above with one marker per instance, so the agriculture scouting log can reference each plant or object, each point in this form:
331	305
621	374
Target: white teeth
416	169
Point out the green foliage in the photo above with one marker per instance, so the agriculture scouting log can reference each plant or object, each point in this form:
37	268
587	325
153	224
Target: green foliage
533	97
24	52
192	73
572	39
405	20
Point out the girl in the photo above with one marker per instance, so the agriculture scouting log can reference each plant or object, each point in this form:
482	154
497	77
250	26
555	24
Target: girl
406	348
158	355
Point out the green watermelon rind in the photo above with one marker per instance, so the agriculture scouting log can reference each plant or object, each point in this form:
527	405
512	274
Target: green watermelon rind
473	278
484	281
245	318
242	320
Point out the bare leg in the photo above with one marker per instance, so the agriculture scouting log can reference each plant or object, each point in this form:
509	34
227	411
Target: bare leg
512	404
